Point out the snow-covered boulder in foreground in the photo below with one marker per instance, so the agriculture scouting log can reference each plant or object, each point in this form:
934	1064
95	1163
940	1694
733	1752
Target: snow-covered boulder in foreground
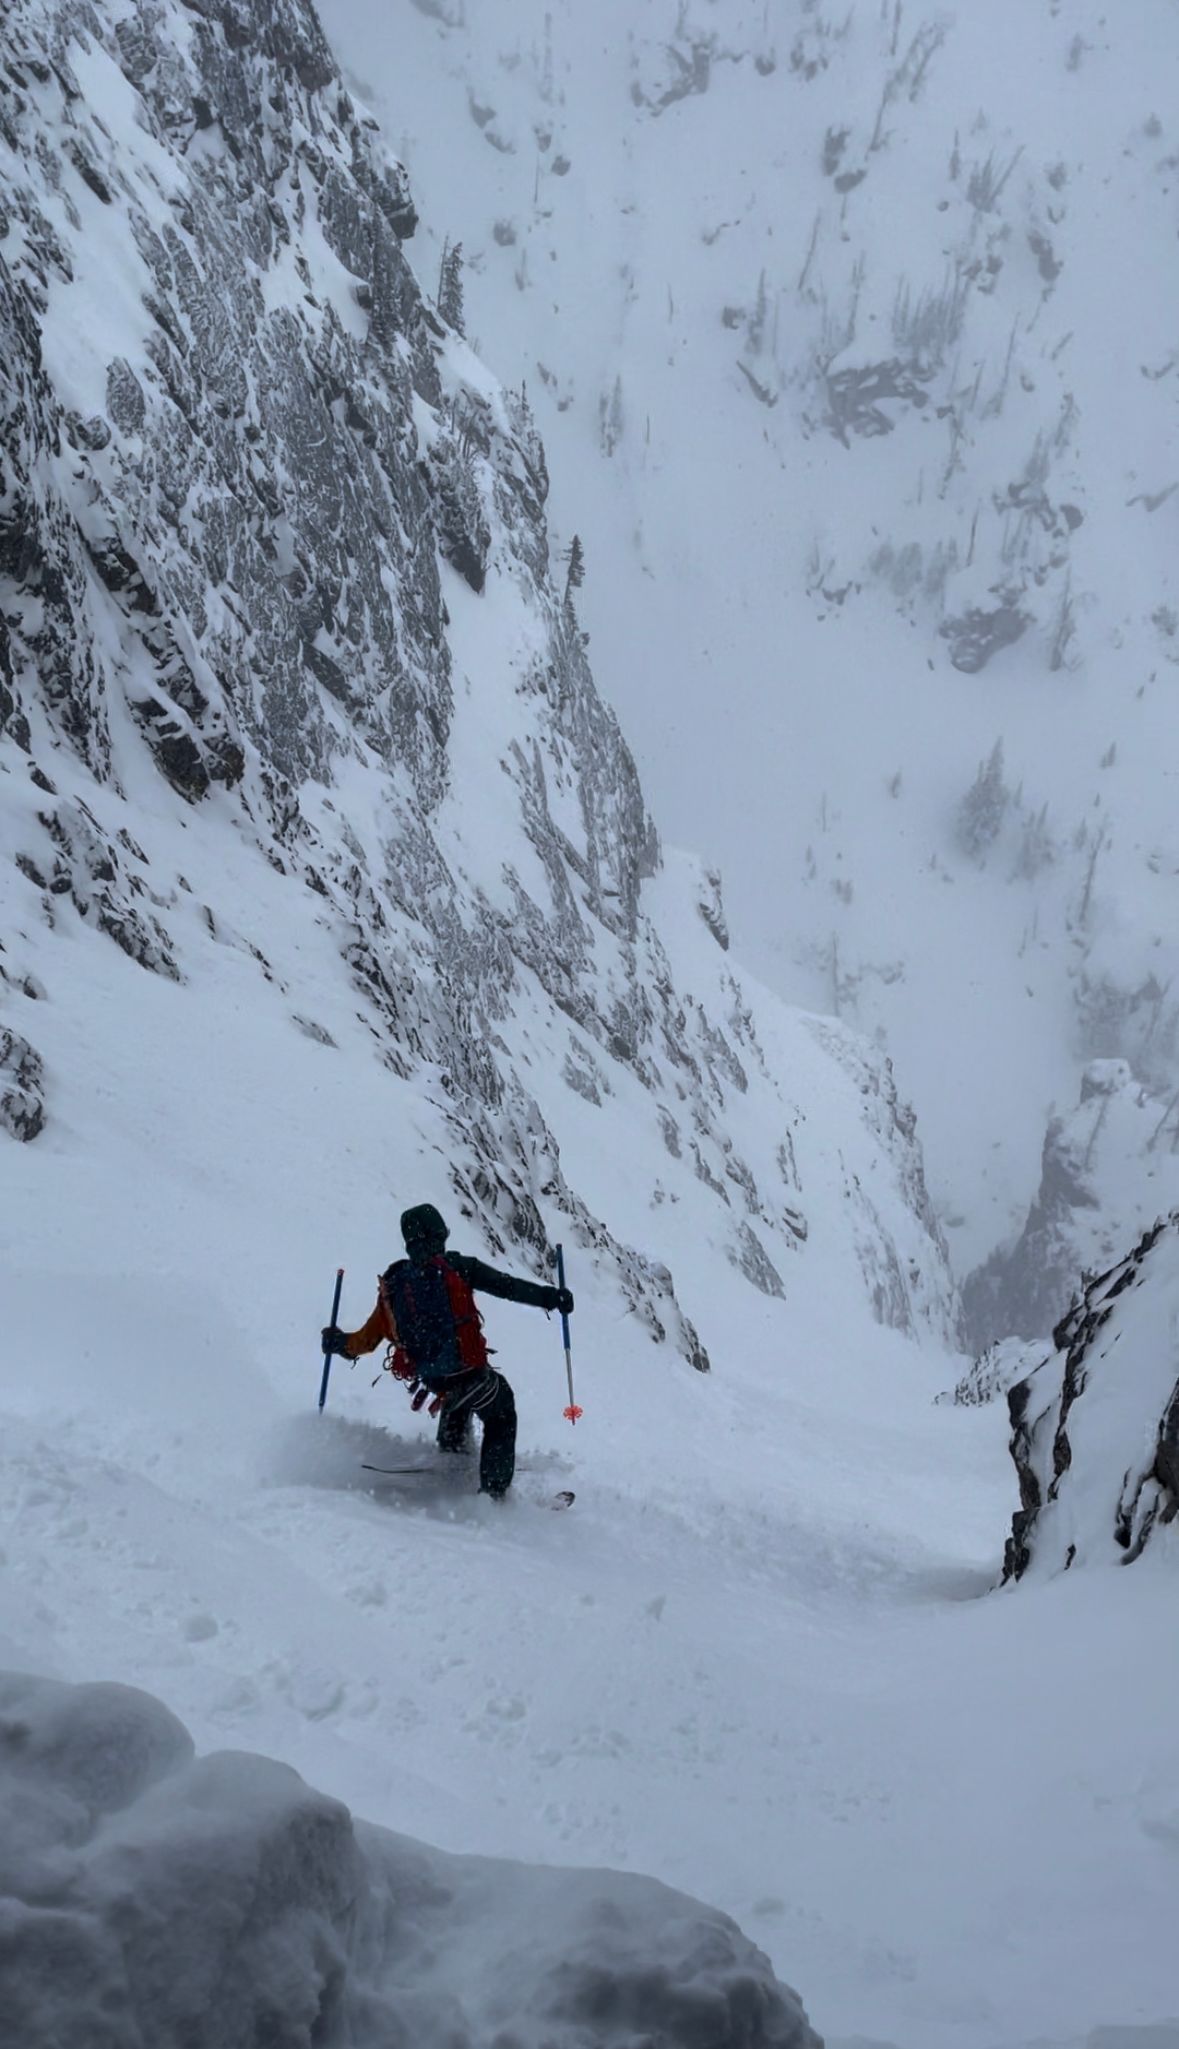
1108	1169
1096	1477
148	1895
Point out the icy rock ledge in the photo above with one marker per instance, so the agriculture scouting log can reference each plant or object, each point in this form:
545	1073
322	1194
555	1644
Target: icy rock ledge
148	1895
1095	1427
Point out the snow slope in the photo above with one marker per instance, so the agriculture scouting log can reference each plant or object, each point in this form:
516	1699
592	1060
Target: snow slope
717	235
757	1659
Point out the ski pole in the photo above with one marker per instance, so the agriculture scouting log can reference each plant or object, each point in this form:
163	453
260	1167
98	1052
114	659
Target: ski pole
573	1412
327	1357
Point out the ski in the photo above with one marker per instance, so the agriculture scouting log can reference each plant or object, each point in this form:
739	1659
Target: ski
564	1498
446	1467
400	1472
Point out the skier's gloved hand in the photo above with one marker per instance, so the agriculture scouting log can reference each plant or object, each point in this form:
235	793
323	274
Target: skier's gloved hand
335	1344
563	1301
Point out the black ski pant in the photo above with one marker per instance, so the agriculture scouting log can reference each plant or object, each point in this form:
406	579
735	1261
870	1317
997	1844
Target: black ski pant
485	1394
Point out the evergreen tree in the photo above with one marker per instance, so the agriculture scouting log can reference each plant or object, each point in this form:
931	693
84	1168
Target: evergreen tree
575	557
450	286
981	812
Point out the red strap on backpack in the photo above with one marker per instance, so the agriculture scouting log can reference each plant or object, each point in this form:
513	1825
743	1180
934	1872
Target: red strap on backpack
468	1324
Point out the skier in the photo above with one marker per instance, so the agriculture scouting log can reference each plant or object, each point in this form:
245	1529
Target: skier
426	1312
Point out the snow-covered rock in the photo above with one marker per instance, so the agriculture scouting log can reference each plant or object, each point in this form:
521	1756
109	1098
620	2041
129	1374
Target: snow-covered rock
1108	1169
22	1078
994	1371
218	1902
1095	1428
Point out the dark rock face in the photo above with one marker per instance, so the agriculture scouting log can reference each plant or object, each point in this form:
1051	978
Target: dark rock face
977	635
1095	1428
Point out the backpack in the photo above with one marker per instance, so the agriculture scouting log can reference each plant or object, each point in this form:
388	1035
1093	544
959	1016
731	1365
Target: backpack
439	1329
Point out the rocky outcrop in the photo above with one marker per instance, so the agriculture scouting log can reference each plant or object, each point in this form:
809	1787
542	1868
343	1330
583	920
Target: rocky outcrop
1107	1169
1095	1428
22	1086
974	636
244	576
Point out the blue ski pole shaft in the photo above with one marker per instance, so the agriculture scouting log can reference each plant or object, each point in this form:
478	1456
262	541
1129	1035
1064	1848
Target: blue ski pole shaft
327	1360
573	1412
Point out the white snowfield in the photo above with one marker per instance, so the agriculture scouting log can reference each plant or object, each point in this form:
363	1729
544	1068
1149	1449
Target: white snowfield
151	1896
